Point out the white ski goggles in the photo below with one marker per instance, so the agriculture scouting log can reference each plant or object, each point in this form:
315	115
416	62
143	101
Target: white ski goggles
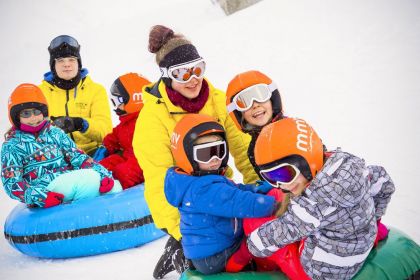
183	73
281	174
244	99
116	100
204	153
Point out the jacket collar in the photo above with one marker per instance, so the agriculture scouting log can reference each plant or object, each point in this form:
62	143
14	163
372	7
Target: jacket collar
27	136
128	117
49	75
83	82
171	107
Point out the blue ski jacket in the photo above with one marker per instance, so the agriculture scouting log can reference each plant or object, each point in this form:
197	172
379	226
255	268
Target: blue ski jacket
210	206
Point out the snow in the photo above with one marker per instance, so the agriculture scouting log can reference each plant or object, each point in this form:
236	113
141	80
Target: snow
350	68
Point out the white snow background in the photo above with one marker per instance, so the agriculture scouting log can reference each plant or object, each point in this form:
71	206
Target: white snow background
350	68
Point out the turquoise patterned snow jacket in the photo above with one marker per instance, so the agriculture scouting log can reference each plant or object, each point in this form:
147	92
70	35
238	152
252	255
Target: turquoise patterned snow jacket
30	163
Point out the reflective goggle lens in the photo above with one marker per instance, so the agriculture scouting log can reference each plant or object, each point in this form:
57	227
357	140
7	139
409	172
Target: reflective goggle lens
205	153
245	98
281	174
116	100
183	73
27	113
64	39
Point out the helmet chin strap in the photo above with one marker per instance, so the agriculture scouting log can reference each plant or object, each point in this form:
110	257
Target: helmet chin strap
220	171
120	112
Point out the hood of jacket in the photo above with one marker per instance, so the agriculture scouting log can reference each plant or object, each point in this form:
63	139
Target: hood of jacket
177	185
342	181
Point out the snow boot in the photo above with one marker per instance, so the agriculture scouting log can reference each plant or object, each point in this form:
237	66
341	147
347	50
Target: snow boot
179	261
164	265
172	259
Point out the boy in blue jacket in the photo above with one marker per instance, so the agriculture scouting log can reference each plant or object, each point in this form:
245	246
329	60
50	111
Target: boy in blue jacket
210	204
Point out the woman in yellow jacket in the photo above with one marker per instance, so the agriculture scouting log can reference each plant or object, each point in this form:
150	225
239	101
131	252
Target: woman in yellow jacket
181	90
77	105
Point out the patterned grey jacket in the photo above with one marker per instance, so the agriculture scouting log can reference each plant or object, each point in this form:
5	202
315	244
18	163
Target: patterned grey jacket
336	214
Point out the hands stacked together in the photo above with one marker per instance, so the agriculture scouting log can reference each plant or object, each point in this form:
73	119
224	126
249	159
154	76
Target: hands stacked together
262	187
68	124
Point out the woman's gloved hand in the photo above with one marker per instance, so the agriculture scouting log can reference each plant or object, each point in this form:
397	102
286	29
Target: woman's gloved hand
68	124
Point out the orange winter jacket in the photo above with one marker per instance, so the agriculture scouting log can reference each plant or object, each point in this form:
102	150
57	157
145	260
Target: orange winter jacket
151	143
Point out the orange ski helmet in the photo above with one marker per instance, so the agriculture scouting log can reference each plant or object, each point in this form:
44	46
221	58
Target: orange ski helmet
128	87
245	80
186	131
23	97
292	141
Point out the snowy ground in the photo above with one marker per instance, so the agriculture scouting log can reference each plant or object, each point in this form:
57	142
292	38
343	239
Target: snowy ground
350	68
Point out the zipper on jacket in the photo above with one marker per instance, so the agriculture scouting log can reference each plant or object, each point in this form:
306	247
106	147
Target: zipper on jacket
236	226
67	110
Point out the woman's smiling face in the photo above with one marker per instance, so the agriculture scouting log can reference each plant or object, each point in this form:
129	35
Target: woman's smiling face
189	90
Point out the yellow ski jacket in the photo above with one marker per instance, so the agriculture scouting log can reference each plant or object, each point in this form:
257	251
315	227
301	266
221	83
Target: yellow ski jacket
89	101
151	143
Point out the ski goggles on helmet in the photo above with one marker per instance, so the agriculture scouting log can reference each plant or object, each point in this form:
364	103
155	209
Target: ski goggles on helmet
63	39
244	99
183	73
27	113
282	174
204	153
116	100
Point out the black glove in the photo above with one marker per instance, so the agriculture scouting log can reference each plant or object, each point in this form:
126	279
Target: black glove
68	124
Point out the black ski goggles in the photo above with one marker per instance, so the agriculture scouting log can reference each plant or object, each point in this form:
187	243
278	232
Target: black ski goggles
63	39
27	113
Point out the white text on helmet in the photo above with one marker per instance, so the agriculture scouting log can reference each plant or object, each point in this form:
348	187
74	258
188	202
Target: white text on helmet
138	97
302	138
174	139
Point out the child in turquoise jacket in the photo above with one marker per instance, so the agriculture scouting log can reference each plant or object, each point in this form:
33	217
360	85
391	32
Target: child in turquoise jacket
41	165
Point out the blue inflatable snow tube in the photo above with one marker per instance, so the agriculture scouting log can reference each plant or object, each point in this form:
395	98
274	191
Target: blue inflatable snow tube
87	227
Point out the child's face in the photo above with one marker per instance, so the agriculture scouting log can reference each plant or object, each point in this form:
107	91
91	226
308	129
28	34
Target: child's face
297	186
259	114
31	116
215	163
121	106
